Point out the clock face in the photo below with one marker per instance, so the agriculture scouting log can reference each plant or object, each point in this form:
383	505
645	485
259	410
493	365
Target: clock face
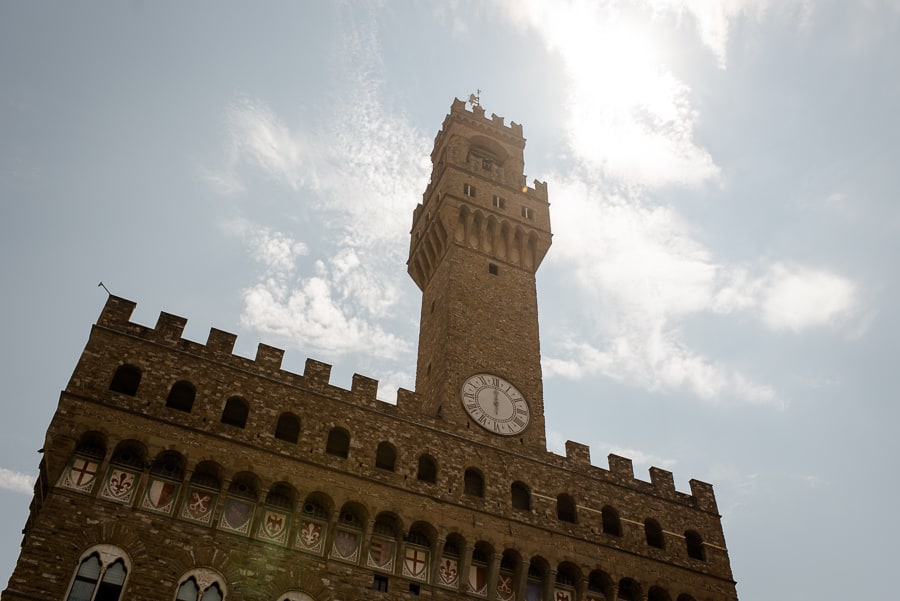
495	404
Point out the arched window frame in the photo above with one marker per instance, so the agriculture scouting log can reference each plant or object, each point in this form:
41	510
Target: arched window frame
520	496
287	428
235	412
694	545
566	508
473	483
427	470
126	379
386	456
181	396
610	521
338	443
654	534
107	555
205	579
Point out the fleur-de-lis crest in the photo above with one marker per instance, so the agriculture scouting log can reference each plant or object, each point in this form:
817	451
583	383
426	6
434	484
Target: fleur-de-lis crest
310	534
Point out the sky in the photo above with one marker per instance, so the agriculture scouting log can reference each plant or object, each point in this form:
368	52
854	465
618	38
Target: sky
719	299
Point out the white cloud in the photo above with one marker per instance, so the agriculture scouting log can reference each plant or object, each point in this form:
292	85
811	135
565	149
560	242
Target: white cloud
796	298
357	172
16	481
642	272
630	117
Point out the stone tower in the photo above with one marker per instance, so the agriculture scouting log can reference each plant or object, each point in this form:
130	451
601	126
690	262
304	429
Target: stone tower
175	469
477	240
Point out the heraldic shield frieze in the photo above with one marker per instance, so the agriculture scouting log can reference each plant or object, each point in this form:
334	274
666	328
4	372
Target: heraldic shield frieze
311	537
236	516
120	485
381	554
448	572
505	587
415	563
199	505
477	584
346	545
81	475
274	526
160	495
562	594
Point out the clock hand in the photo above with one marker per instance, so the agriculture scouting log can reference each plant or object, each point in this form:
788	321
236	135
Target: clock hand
496	402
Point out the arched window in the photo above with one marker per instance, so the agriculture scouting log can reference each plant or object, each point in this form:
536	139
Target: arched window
611	523
521	496
658	594
338	443
385	456
288	428
629	590
100	576
565	509
200	587
181	396
126	379
473	483
694	545
235	412
427	471
654	533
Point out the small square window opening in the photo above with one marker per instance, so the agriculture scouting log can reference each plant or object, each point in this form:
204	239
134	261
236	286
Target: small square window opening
469	190
527	213
498	201
380	583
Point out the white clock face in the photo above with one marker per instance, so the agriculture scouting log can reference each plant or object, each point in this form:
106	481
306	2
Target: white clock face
495	404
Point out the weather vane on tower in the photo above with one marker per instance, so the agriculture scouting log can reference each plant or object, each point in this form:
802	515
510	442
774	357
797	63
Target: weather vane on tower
475	99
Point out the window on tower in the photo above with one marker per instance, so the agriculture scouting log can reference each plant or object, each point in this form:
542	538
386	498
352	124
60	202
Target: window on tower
473	483
492	269
527	213
469	190
100	576
498	201
126	380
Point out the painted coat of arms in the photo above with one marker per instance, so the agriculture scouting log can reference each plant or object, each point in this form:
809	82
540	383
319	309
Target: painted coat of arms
119	485
199	505
311	537
274	527
415	563
346	545
477	584
381	554
160	495
81	475
505	587
563	595
236	516
448	572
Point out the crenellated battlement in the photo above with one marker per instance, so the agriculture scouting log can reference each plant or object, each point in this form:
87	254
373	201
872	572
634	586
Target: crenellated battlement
316	377
458	107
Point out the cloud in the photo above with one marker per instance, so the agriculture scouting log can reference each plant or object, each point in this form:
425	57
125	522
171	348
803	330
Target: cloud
642	273
796	298
354	172
335	309
16	481
629	117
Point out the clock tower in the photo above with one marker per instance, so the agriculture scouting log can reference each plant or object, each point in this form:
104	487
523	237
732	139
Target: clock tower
477	240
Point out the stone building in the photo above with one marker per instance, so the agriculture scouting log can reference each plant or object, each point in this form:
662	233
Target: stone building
178	470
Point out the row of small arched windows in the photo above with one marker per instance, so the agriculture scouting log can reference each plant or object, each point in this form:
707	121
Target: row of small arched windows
287	428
